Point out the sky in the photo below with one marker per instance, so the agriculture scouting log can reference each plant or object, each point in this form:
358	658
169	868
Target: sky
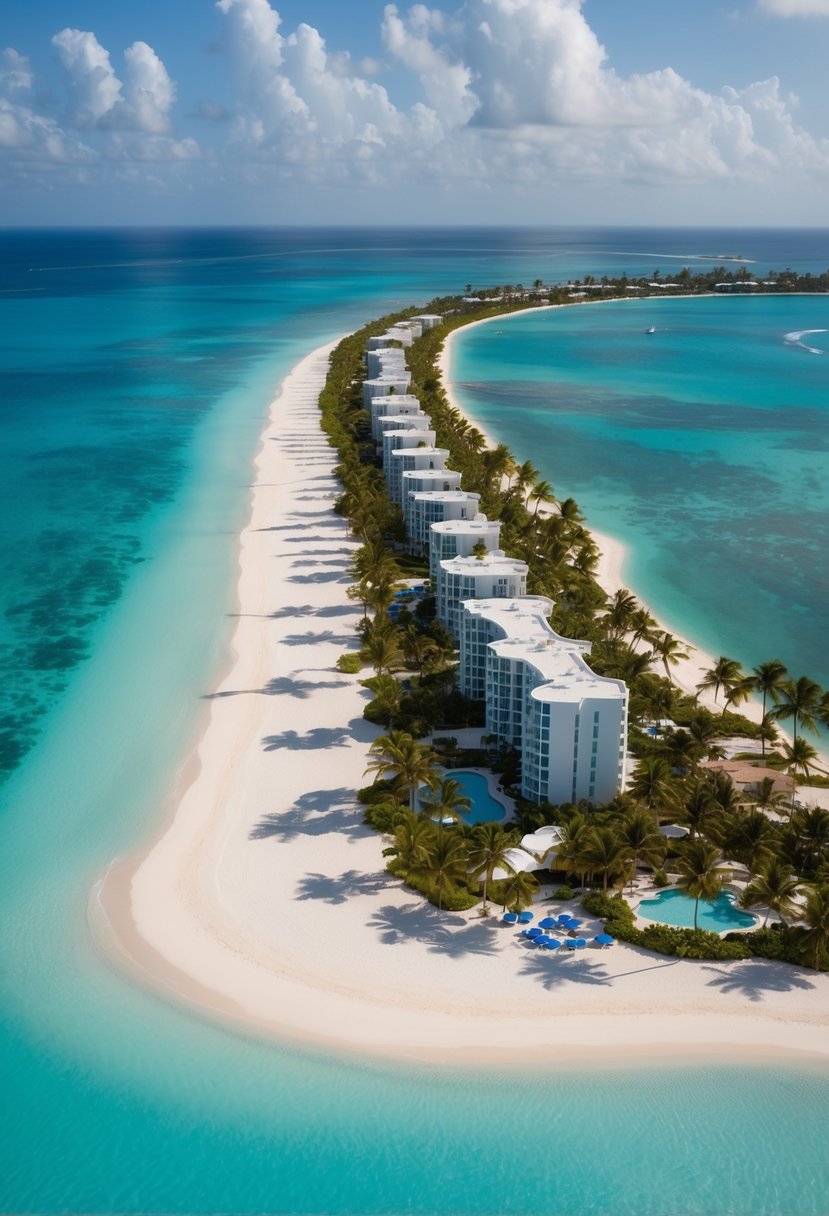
549	112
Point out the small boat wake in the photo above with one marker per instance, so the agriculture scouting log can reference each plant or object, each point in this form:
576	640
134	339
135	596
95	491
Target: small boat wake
795	338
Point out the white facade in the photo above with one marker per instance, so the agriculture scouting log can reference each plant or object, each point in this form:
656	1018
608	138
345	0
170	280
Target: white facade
400	422
458	537
396	440
385	361
413	460
430	507
428	320
495	576
427	481
385	404
575	737
485	621
381	386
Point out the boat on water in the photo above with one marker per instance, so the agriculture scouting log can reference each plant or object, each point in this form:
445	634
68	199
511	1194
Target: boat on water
651	329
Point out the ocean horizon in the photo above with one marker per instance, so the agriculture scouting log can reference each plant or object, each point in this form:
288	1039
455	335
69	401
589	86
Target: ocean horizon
139	369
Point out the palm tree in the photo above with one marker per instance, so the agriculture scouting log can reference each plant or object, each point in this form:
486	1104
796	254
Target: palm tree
811	828
382	649
768	798
606	853
738	691
444	800
725	673
570	852
669	649
444	867
488	853
542	491
699	804
768	679
621	609
418	648
414	840
387	696
751	839
518	890
652	783
800	701
816	918
645	844
774	887
398	755
700	872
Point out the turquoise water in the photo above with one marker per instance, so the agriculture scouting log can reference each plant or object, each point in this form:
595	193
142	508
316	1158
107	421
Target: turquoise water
672	907
137	370
485	808
703	447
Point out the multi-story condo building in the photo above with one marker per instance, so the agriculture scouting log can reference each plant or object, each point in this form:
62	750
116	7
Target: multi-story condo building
458	537
401	422
428	320
434	506
383	386
428	482
404	406
413	459
399	439
387	361
485	621
494	576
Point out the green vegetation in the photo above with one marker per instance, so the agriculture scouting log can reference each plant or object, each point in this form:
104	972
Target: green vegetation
415	691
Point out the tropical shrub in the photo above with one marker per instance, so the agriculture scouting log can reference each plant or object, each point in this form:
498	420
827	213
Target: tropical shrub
660	878
383	816
349	663
563	892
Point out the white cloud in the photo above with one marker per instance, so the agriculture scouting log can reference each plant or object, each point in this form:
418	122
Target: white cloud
94	88
535	70
309	109
15	73
795	8
100	99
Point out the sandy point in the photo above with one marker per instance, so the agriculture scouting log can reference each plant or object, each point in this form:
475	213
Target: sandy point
265	903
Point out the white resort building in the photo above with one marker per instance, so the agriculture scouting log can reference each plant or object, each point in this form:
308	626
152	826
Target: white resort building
458	537
432	507
541	696
494	576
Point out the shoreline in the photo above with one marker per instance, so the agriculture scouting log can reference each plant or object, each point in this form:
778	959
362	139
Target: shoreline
264	904
610	572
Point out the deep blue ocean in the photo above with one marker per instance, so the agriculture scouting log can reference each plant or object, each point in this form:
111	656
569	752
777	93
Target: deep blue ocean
137	369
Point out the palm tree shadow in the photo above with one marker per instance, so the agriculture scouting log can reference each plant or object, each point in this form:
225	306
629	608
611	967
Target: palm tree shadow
441	932
339	889
553	972
754	980
318	813
317	739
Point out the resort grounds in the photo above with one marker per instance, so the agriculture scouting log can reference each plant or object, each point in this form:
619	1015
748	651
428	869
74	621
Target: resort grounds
265	901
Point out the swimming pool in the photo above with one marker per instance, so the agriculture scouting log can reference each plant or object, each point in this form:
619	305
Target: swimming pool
485	807
674	907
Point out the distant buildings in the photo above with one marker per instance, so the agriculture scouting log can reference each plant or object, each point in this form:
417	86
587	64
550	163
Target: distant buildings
541	697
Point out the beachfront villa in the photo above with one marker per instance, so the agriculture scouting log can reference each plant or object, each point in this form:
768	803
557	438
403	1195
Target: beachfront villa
458	538
434	506
541	697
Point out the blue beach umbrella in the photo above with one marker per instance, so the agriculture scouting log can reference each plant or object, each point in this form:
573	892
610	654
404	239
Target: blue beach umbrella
573	923
604	939
564	918
552	943
549	922
542	939
509	918
524	918
571	945
533	933
580	943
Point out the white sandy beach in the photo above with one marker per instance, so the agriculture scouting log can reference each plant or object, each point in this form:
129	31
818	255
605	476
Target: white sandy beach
265	902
